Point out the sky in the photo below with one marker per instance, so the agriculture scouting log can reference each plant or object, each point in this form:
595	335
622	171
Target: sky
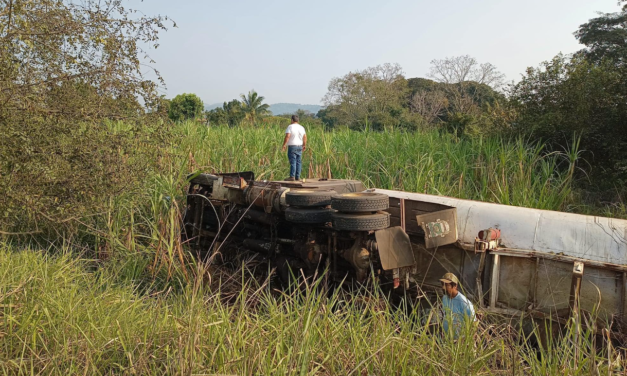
288	51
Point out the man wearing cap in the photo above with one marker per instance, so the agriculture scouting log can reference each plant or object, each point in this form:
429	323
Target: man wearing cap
457	308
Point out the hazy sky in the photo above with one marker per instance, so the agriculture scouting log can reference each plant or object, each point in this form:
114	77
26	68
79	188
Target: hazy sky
289	50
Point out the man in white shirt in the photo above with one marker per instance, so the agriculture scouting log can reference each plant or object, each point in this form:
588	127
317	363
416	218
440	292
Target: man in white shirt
296	143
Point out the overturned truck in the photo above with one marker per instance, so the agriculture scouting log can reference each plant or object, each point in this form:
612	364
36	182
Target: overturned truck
510	260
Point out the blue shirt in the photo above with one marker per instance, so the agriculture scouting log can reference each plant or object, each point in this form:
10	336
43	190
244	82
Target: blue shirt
457	310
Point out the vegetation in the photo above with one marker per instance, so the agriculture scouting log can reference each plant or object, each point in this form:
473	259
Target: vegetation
582	94
94	278
185	106
69	71
231	114
253	106
133	302
480	169
251	109
60	319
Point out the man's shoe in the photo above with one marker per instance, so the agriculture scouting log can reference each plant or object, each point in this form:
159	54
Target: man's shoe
291	178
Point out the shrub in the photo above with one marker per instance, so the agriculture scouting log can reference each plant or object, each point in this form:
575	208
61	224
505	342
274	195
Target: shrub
185	106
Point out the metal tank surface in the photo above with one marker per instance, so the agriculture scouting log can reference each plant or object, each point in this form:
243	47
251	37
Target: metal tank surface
510	260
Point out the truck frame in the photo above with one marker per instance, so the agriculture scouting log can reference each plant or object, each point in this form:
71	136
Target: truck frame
510	260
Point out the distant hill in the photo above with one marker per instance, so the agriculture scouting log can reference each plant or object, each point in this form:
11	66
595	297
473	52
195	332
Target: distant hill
290	108
279	108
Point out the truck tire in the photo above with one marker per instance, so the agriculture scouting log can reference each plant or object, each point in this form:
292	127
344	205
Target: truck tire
360	202
360	222
308	198
311	216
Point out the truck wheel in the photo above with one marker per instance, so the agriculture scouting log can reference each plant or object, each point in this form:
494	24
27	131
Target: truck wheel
360	202
360	222
308	198
312	215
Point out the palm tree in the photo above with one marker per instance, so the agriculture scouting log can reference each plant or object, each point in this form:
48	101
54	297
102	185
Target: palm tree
253	106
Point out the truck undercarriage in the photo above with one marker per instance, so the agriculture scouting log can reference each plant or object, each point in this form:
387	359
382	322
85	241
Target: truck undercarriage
300	227
410	240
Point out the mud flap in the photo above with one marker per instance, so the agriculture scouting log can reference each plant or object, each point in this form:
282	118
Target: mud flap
394	248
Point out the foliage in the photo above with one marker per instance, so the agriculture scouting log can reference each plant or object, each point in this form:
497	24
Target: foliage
604	37
185	106
253	107
459	99
66	69
231	113
74	60
381	98
565	96
486	169
63	319
370	99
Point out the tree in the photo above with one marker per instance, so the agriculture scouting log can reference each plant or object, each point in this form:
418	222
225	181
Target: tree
57	46
185	106
574	96
465	81
374	98
231	113
65	67
304	114
430	105
253	106
605	37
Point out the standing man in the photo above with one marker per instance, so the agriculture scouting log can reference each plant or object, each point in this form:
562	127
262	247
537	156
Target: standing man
296	143
458	310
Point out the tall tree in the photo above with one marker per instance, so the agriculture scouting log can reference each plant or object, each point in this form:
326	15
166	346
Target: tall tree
372	98
568	96
605	37
253	106
52	49
465	81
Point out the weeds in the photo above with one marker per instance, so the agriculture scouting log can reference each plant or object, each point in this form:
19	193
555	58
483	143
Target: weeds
131	301
60	319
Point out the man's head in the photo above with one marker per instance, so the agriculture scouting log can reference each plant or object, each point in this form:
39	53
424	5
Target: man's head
295	119
450	284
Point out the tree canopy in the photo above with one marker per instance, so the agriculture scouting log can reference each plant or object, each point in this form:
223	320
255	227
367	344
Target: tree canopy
66	69
253	106
185	106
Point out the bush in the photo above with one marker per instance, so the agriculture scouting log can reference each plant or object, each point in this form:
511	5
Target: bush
57	174
185	106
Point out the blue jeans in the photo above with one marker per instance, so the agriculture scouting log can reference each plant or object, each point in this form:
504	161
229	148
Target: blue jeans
294	154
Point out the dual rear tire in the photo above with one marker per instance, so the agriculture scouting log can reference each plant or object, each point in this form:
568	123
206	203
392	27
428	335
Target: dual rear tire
348	212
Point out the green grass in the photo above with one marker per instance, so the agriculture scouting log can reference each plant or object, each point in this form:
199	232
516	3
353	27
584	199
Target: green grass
132	302
495	170
58	318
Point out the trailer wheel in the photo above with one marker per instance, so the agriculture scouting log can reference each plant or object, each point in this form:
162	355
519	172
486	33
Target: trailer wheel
360	222
360	202
310	215
309	198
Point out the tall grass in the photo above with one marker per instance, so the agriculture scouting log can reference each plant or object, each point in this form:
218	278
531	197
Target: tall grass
511	172
59	319
135	303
